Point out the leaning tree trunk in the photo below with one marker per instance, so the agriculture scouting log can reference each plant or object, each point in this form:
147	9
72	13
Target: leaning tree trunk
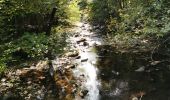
48	33
50	22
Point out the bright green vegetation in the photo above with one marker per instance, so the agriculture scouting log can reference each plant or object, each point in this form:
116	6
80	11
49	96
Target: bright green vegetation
2	67
138	34
134	59
132	17
73	12
23	25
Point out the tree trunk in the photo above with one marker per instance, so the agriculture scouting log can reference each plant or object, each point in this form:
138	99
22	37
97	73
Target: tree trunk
50	22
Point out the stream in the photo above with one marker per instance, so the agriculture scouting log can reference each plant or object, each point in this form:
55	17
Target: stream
102	73
91	69
86	66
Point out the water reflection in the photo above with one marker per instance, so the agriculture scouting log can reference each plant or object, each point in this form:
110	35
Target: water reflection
122	78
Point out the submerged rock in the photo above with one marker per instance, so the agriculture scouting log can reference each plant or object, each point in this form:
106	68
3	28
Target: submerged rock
141	69
93	62
135	98
155	63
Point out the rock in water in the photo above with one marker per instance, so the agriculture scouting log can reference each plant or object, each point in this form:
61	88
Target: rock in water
155	63
76	35
141	69
70	67
72	54
84	60
83	93
81	40
135	98
78	57
85	44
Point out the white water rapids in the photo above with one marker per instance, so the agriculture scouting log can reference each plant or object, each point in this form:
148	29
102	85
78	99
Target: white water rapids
86	68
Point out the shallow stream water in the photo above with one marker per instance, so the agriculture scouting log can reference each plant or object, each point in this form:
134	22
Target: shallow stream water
86	65
111	75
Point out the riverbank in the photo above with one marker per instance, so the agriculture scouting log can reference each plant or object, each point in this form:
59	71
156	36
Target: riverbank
68	76
82	56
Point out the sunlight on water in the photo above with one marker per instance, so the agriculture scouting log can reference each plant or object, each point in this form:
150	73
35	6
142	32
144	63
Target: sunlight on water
86	65
92	83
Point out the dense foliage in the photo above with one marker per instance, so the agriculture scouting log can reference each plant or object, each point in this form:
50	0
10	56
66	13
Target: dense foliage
149	17
23	27
23	23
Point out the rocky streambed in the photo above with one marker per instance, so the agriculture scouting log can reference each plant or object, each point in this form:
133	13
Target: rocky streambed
71	76
80	66
90	70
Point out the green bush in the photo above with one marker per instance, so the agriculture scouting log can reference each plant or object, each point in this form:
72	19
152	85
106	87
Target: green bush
22	23
29	46
141	17
32	46
2	67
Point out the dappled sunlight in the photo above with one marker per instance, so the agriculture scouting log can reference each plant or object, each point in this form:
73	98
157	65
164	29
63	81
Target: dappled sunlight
84	49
